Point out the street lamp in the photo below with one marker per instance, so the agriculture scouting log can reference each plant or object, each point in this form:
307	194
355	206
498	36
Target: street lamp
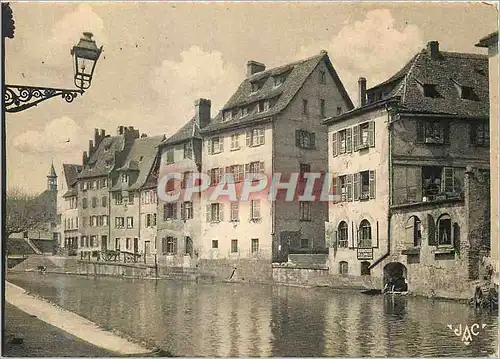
86	53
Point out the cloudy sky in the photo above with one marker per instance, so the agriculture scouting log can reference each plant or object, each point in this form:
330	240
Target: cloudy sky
159	57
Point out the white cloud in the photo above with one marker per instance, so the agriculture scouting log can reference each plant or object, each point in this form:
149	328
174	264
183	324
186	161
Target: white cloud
59	135
373	48
198	74
54	49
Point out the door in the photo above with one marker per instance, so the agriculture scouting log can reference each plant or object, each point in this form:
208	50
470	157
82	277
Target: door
147	248
136	245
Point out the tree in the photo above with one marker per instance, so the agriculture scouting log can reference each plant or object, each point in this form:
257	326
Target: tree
26	211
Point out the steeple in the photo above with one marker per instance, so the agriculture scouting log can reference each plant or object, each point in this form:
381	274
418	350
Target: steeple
52	179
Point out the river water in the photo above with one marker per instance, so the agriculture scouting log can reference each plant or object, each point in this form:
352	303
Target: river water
193	319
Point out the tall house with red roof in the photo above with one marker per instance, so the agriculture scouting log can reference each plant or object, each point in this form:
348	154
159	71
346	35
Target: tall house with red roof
272	124
412	164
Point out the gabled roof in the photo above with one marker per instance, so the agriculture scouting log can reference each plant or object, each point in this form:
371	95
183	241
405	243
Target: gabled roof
101	162
488	40
188	131
282	95
71	172
140	158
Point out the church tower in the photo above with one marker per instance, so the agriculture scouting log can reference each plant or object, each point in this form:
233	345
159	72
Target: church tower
52	179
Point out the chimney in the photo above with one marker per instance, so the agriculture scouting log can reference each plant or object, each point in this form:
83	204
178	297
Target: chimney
85	158
361	92
91	147
119	131
202	112
433	49
254	67
144	135
103	133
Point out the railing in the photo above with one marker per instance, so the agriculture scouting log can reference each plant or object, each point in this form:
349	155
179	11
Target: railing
112	256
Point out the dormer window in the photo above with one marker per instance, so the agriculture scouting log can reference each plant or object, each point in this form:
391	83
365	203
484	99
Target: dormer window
244	111
263	106
124	178
257	85
278	80
429	90
465	92
227	116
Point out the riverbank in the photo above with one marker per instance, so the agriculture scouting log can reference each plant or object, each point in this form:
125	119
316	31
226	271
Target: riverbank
72	328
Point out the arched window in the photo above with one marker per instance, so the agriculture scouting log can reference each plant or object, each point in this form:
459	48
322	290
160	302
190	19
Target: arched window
413	232
365	268
84	203
343	235
365	234
104	201
444	230
343	268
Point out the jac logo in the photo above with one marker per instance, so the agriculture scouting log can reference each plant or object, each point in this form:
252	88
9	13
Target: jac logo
466	333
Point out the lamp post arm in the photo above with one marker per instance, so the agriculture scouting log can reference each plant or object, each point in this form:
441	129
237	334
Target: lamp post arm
18	98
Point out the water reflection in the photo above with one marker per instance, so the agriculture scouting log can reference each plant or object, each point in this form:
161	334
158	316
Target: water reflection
250	320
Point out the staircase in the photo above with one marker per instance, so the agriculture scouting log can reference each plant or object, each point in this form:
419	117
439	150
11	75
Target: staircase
52	263
33	247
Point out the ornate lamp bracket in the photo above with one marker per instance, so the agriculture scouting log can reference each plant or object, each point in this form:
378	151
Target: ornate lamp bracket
19	98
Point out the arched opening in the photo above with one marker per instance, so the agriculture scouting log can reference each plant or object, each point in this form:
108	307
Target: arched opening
395	275
444	236
365	234
343	268
365	268
343	235
413	232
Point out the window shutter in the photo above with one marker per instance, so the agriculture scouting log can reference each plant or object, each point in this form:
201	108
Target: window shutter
334	144
228	171
349	187
372	184
208	213
297	138
174	211
446	132
183	207
456	237
473	134
336	186
420	132
335	243
261	136
209	144
221	144
261	167
356	185
312	138
348	132
249	138
221	212
247	169
431	231
221	174
447	178
371	133
355	137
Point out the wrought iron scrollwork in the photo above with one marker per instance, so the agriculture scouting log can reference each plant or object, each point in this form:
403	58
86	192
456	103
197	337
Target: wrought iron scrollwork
19	98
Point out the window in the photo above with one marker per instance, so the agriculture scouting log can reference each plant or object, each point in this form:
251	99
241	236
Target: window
480	134
187	210
215	176
216	145
118	198
343	268
467	93
303	169
254	167
263	106
433	132
124	178
130	222
147	221
170	211
170	156
256	86
235	209
104	183
120	222
413	232
93	221
104	201
305	107
244	111
304	243
255	245
278	80
238	172
343	187
131	198
342	235
339	110
188	149
364	181
429	90
365	268
255	137
127	243
104	220
322	77
153	220
235	145
169	245
305	211
234	246
364	185
117	244
442	182
185	180
365	234
364	135
322	107
214	212
342	142
84	203
255	209
304	139
93	241
215	244
444	230
227	115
